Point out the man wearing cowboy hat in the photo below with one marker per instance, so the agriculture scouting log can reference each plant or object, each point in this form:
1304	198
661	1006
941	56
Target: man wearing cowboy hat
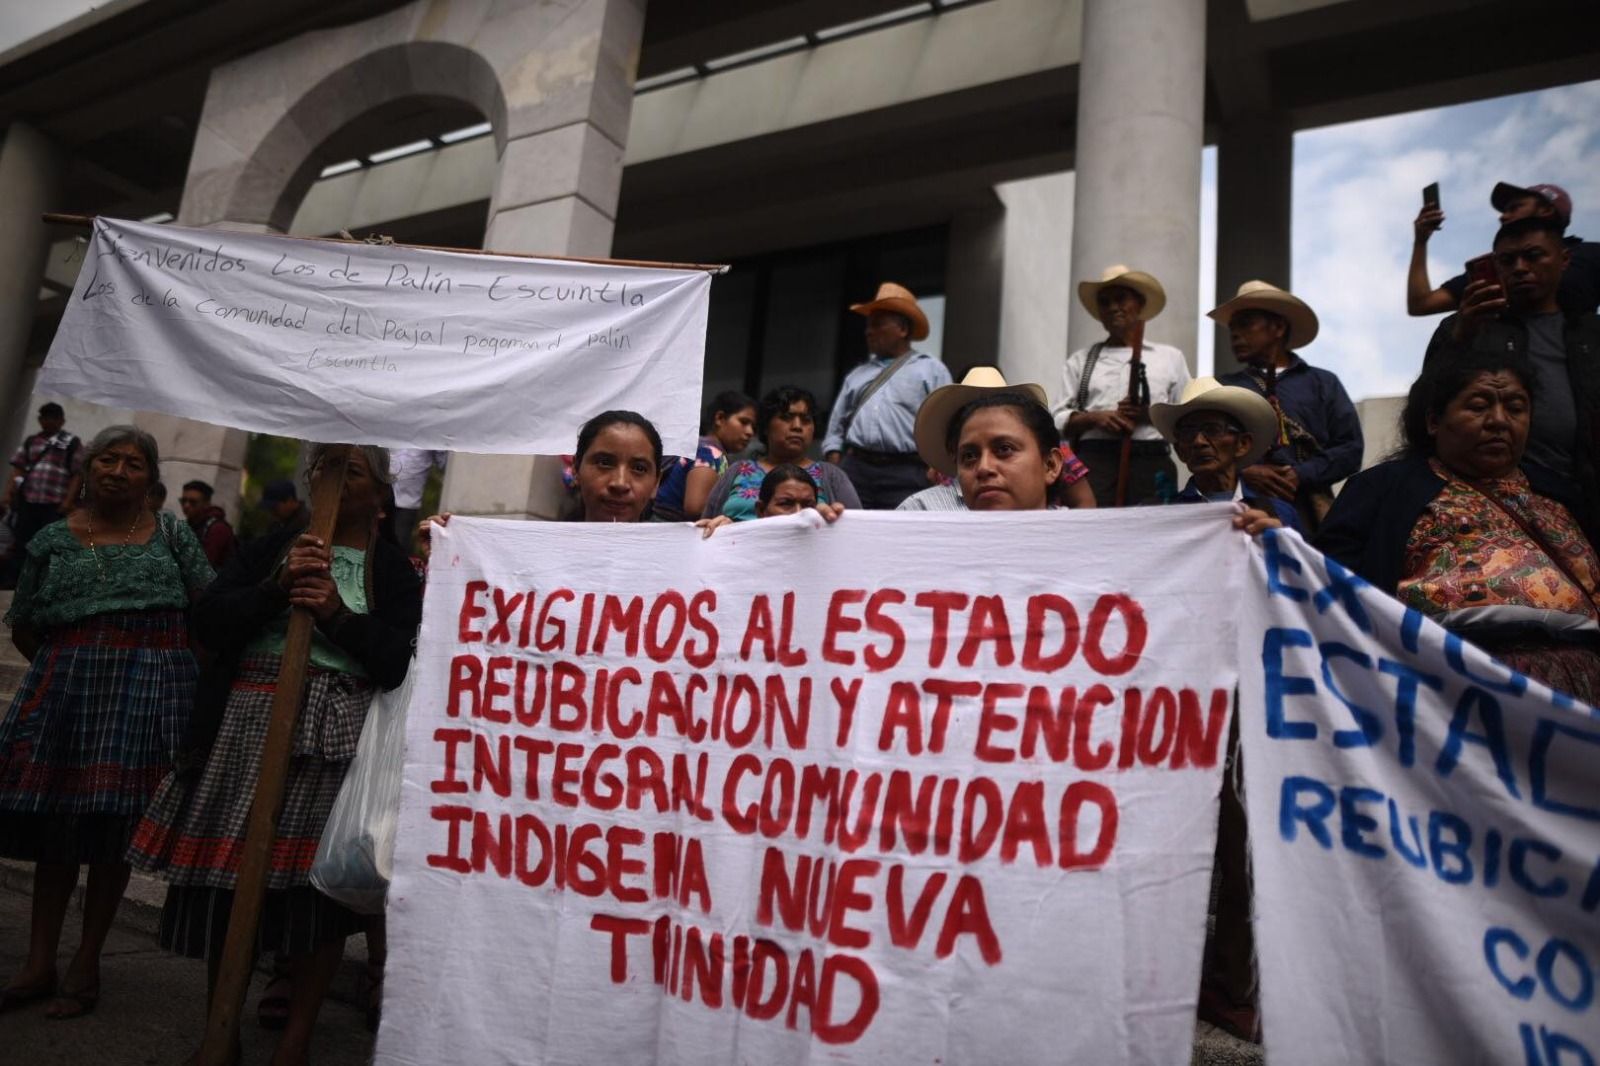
1319	441
1217	431
1579	290
871	433
933	424
1094	411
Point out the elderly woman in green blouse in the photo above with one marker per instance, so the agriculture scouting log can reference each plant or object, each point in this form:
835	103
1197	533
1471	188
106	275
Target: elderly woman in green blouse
100	612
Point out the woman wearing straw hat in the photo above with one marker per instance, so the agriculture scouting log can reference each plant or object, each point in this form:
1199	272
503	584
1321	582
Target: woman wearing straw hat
1319	443
998	441
1072	483
1094	411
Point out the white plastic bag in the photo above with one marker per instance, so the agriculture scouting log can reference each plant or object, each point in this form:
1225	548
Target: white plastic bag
355	857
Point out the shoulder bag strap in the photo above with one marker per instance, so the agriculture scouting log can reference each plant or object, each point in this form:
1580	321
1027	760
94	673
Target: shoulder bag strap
871	390
1088	370
1538	538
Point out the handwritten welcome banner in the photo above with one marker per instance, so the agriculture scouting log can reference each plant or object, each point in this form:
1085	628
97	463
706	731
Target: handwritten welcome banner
795	794
1425	832
376	344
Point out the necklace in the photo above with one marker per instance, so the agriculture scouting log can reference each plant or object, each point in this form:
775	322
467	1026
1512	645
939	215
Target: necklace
99	564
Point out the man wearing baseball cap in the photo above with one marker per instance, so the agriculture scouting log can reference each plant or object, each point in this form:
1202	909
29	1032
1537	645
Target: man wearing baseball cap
1580	285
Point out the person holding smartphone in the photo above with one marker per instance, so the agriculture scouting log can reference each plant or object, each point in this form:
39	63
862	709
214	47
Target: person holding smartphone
1579	289
1520	311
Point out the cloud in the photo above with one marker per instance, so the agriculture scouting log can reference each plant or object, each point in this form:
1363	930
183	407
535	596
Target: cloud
1358	186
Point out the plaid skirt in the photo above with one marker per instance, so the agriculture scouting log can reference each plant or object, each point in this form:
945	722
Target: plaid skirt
193	834
92	732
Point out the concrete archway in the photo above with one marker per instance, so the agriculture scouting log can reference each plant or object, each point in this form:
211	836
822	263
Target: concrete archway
288	158
555	80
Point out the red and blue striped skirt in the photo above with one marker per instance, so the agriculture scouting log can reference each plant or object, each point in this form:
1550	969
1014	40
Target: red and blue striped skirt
92	732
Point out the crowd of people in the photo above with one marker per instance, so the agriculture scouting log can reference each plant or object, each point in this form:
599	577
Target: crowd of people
136	736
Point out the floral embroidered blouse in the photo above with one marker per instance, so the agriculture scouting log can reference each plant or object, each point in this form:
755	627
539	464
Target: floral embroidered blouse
63	582
669	497
1465	552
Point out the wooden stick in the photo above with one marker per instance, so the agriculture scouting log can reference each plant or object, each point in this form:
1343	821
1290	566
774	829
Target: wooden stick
87	222
239	950
1125	460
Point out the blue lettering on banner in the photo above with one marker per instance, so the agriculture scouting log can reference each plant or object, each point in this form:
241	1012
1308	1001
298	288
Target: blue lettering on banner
1405	704
1354	824
1415	858
1559	1048
1371	726
1280	686
1514	684
1411	631
1290	811
1345	587
1493	737
1277	562
1544	734
1458	848
1556	886
1522	987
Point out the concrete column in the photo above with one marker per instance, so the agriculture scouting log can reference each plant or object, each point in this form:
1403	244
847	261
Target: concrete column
1255	174
556	193
1141	102
29	169
974	279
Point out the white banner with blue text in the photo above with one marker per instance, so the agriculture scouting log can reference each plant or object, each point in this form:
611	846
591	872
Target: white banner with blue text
1425	834
378	344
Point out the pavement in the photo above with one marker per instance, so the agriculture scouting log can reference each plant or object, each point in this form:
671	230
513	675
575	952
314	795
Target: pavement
152	1006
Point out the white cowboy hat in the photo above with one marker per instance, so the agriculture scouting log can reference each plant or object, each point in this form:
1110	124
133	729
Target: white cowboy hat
1155	297
1263	296
1245	406
945	402
896	299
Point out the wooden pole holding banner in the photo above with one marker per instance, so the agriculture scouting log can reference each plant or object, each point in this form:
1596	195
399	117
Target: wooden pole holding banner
87	222
1125	460
239	950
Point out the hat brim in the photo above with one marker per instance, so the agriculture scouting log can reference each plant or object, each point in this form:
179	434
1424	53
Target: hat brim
1247	408
1302	320
1155	297
943	404
895	305
1504	192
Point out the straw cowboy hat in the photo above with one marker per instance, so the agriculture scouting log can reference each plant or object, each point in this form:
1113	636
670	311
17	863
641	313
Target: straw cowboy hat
1245	406
898	300
943	403
1155	297
1263	296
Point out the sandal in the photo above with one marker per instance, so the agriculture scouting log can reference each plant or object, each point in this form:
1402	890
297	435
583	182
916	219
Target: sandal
272	1012
76	1004
16	996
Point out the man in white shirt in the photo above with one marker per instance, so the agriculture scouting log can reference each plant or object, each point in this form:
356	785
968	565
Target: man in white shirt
1093	411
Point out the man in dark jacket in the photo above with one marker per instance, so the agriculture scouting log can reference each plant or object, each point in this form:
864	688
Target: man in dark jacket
209	523
1522	313
1319	442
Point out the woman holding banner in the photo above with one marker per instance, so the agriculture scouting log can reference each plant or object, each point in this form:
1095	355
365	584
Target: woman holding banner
786	421
1451	528
367	603
99	717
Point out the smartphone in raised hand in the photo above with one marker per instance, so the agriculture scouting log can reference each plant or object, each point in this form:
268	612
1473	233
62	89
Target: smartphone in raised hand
1430	195
1481	268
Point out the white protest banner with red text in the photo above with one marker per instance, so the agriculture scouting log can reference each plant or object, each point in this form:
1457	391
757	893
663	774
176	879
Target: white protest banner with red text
930	788
1425	834
378	344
